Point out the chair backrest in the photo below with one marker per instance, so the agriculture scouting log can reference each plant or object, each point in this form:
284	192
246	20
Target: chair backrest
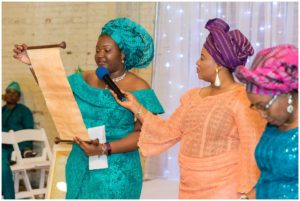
28	135
9	138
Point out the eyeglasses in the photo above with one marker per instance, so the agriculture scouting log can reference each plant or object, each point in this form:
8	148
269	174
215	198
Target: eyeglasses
265	107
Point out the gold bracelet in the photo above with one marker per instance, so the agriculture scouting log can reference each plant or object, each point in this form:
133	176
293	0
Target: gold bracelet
139	112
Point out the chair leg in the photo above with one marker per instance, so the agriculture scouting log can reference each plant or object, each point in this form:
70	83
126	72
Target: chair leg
42	182
17	181
27	183
42	179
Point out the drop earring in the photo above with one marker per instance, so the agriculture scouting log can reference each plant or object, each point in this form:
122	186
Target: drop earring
123	61
217	80
290	107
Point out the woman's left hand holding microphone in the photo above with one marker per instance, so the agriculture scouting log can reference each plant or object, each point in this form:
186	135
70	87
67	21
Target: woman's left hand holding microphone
131	103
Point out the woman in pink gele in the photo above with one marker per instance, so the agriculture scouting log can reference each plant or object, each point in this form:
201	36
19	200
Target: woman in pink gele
272	88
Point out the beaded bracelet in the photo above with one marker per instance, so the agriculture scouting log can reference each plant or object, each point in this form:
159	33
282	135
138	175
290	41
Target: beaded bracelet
108	147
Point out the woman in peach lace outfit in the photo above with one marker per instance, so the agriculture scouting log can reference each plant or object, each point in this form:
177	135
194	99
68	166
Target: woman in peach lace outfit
217	129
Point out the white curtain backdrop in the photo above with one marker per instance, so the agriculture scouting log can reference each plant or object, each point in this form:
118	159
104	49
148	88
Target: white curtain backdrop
180	34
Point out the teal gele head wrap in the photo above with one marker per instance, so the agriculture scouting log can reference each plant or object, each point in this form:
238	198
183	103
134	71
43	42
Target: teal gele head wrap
14	86
133	40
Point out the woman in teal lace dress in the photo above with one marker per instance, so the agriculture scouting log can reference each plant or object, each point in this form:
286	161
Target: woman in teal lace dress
122	45
272	85
123	178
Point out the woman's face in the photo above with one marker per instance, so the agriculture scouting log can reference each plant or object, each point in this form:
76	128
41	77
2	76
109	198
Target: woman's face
108	54
206	67
277	113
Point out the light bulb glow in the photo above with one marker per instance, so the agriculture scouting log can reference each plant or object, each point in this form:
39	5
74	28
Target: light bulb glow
62	186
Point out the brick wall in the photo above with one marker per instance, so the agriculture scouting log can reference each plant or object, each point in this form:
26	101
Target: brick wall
78	24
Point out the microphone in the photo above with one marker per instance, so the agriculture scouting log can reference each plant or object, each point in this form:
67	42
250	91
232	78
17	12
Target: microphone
103	74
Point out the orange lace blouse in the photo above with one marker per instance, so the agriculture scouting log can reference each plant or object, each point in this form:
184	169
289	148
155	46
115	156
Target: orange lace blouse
218	135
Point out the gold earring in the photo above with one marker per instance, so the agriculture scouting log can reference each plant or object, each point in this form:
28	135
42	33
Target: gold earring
217	80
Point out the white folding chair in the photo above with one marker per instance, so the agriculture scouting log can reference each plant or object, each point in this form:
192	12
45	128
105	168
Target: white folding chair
23	164
9	138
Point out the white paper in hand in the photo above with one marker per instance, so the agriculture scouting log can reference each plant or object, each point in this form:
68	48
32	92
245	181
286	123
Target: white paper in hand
96	162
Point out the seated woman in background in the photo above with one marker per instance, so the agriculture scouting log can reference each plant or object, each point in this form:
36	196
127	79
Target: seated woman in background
15	117
272	88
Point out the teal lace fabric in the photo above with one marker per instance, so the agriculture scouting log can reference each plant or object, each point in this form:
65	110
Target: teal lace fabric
277	158
123	177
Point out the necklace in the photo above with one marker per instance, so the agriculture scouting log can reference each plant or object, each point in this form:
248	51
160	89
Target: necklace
121	77
117	79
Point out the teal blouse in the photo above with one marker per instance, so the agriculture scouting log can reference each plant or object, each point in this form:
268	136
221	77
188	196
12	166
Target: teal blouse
277	158
123	177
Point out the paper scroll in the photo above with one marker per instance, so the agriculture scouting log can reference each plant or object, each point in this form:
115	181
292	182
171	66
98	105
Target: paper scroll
57	92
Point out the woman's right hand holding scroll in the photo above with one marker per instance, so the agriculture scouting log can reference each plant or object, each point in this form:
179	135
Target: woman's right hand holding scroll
21	54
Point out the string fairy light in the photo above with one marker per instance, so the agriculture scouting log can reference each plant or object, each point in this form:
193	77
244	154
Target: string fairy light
167	65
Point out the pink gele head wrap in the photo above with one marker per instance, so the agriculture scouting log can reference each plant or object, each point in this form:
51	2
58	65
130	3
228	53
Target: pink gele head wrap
274	71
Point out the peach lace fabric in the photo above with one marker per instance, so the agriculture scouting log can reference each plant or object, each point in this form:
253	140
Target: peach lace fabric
218	135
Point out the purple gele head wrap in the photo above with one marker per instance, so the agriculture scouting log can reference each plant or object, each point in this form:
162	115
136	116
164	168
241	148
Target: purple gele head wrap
274	71
228	48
